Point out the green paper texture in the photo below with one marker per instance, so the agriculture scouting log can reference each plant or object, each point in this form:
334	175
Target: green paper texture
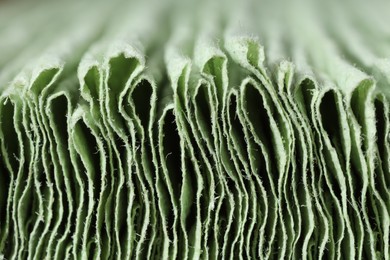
195	130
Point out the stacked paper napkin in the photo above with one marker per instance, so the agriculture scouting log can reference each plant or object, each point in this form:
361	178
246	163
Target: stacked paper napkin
195	130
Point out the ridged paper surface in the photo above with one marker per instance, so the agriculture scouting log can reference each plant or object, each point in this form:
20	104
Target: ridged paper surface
195	130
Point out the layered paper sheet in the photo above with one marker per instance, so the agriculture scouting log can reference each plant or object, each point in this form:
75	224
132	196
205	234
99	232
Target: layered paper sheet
210	130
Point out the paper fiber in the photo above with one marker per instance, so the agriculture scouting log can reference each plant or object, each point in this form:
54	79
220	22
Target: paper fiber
195	130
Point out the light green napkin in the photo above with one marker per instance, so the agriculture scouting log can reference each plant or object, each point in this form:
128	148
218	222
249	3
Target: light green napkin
194	130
